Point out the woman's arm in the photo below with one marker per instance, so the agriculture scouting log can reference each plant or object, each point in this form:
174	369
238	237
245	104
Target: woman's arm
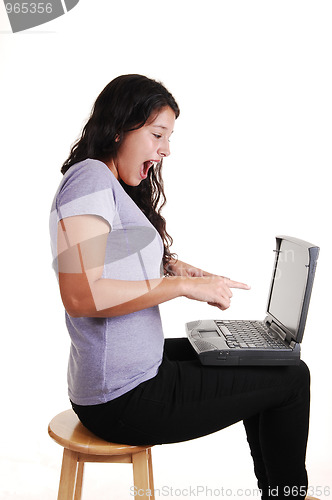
180	268
81	253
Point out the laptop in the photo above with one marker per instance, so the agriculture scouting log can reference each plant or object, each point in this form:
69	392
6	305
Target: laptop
275	340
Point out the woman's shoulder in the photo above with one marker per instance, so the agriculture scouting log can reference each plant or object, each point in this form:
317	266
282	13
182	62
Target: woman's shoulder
86	177
89	169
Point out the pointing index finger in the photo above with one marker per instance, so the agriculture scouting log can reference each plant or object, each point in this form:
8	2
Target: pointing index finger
237	284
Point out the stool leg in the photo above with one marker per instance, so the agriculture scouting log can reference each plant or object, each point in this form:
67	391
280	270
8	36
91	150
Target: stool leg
79	481
68	475
141	468
151	484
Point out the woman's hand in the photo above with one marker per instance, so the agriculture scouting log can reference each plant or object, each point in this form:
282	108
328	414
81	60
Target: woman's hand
215	290
204	286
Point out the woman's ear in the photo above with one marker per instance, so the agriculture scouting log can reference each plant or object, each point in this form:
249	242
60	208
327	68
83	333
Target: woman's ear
117	138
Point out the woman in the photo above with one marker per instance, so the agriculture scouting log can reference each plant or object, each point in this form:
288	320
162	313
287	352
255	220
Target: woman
114	266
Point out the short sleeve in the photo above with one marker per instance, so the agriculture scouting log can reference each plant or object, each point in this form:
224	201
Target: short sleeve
87	189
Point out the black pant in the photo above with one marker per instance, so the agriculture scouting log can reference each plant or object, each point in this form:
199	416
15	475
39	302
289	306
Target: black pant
186	400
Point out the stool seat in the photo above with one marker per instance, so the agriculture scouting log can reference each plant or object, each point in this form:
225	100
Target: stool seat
80	446
67	430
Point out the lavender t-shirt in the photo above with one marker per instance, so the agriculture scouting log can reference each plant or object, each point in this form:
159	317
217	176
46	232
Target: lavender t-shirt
110	356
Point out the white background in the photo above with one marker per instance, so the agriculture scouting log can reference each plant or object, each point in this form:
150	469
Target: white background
250	159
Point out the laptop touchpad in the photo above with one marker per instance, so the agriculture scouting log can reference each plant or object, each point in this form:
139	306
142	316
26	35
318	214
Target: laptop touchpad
208	334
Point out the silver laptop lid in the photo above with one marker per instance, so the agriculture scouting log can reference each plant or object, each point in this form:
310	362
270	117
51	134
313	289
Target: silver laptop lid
291	285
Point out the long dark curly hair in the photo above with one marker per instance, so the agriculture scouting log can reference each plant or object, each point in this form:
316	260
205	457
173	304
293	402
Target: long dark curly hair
126	104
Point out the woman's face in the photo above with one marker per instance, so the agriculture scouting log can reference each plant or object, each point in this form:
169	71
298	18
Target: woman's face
143	147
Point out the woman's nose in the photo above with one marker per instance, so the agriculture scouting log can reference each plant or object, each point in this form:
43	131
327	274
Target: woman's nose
164	149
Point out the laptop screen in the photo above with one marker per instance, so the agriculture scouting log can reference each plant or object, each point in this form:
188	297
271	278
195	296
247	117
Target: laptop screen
289	285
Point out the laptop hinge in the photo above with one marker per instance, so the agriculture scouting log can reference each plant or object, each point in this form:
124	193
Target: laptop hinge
275	328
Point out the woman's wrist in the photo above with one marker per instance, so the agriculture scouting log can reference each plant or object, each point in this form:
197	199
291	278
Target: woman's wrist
180	285
186	285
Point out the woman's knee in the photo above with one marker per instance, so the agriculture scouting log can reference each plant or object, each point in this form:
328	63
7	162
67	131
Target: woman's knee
305	372
301	376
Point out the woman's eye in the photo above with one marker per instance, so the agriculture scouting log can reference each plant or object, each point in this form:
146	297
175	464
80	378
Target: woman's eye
157	136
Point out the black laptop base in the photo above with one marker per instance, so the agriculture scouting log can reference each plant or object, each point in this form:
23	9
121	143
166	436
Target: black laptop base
230	358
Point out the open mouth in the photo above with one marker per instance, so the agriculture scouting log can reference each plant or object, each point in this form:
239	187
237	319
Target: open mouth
145	168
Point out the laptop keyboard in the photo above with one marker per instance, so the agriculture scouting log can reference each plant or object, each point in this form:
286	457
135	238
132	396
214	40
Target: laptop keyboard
250	334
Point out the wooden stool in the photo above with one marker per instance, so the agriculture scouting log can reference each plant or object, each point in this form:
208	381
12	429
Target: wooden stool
81	446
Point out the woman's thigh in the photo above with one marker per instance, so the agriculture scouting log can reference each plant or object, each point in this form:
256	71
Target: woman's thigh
187	400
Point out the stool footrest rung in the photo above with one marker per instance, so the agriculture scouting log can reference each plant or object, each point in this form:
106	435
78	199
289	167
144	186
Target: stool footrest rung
116	459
